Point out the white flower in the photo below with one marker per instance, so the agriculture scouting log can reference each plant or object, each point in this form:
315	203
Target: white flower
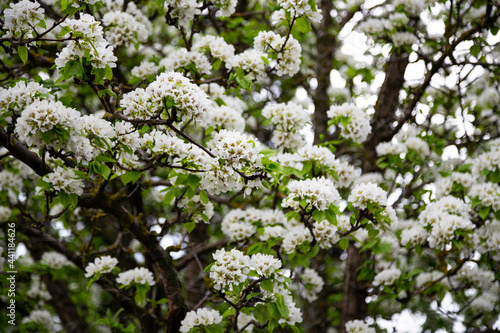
358	326
301	8
183	10
231	267
189	100
54	260
181	58
318	193
200	317
21	16
288	62
364	193
288	119
124	29
264	264
65	180
386	277
138	275
325	234
103	264
313	284
43	318
358	123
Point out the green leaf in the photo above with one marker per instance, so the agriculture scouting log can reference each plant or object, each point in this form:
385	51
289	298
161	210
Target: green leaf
475	49
204	197
108	73
64	4
318	215
92	280
193	181
484	212
273	310
344	243
73	68
130	176
68	199
244	81
99	75
261	313
105	159
22	50
303	24
169	196
267	285
214	329
268	152
190	226
282	308
140	293
48	136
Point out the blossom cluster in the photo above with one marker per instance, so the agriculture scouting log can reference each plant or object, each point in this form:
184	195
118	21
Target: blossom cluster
288	51
139	275
288	120
90	44
21	17
354	124
318	193
187	99
104	264
200	317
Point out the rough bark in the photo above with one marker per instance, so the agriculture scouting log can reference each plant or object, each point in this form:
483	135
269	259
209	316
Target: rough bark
354	291
325	48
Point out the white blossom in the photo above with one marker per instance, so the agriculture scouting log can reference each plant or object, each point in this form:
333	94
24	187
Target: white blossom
104	264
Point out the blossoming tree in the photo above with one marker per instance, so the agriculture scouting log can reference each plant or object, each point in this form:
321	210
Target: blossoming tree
250	166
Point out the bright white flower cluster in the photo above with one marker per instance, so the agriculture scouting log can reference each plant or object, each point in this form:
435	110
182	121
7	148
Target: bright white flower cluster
298	8
358	326
325	234
412	233
487	238
189	100
288	62
252	62
216	45
375	26
91	43
21	16
365	193
54	260
313	284
18	97
231	267
238	149
4	214
296	235
288	119
389	148
387	276
139	275
43	318
183	10
104	264
145	69
445	216
264	264
200	317
411	7
226	117
318	193
240	224
42	116
358	125
65	180
124	29
323	157
404	38
225	8
158	143
488	193
181	58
